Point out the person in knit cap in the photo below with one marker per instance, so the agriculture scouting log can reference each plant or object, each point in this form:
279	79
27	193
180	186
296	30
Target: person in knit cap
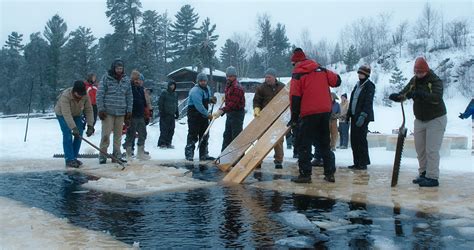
310	103
198	118
360	113
426	90
168	108
264	93
234	100
72	103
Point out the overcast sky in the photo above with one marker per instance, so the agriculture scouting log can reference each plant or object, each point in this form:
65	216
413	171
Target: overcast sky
323	19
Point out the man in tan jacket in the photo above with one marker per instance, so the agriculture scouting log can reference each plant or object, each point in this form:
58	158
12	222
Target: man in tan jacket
71	104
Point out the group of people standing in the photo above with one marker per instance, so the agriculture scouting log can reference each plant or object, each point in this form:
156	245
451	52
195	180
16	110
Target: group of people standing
121	100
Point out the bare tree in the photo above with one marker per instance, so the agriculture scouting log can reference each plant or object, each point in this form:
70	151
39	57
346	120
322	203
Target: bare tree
427	24
400	35
307	44
458	32
248	44
382	31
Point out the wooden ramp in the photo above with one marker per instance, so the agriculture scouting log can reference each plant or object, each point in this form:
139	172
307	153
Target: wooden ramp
254	130
264	145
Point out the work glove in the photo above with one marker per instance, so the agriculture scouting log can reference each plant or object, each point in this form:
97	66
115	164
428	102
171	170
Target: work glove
90	130
223	98
209	116
360	121
102	115
213	100
75	132
462	116
417	94
395	97
218	113
256	112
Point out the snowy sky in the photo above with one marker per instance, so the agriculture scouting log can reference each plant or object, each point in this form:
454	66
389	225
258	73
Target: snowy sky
323	19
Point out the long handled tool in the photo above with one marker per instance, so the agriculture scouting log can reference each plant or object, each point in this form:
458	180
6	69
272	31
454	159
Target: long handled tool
208	127
121	163
402	133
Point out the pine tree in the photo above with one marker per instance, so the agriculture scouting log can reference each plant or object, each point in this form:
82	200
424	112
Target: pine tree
256	67
233	55
14	42
78	57
181	33
55	34
397	80
351	58
280	51
265	42
36	64
151	45
204	43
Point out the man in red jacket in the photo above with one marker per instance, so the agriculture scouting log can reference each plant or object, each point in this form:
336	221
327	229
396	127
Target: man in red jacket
310	99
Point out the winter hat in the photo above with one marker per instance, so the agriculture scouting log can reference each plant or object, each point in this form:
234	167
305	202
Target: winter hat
231	71
117	63
171	82
298	55
201	77
344	95
421	65
271	72
364	69
79	88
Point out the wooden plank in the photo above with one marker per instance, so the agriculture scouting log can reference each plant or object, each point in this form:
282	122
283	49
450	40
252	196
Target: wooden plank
261	149
254	130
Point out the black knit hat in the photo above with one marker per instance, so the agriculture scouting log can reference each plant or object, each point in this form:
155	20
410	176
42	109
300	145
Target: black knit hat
79	88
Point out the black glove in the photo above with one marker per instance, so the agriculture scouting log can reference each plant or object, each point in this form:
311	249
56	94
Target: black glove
176	115
102	115
213	100
75	132
293	121
395	97
90	130
462	116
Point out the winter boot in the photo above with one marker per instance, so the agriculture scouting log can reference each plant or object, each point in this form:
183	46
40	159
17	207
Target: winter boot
128	153
79	162
72	164
428	182
329	178
189	152
206	158
419	178
278	165
119	157
302	178
102	159
141	153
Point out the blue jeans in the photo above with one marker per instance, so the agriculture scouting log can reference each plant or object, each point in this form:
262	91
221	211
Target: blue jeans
71	147
344	133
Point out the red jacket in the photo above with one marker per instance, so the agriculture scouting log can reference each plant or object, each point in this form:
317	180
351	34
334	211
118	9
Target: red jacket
92	92
311	83
234	97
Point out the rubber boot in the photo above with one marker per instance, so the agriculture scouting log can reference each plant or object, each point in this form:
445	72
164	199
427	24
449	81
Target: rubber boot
141	153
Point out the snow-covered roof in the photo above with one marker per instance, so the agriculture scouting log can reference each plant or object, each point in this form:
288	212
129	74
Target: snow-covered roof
215	72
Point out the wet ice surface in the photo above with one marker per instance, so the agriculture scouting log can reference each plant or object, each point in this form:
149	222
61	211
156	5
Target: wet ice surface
254	214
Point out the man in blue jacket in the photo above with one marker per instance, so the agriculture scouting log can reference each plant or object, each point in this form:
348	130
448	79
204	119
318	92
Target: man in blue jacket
198	118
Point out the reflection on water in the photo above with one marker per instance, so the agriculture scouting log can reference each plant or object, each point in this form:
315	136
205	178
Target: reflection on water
231	216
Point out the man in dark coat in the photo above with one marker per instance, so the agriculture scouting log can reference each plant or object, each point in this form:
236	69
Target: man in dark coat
426	90
263	95
361	112
168	108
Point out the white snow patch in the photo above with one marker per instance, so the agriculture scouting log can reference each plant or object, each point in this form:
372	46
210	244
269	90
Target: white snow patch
461	222
382	242
297	220
297	242
32	228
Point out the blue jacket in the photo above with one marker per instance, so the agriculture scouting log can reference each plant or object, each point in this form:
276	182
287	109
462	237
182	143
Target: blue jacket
115	96
197	97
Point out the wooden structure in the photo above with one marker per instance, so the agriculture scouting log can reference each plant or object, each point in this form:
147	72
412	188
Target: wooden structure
185	79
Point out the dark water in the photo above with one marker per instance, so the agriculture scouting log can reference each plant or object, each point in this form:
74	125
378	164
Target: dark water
227	216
